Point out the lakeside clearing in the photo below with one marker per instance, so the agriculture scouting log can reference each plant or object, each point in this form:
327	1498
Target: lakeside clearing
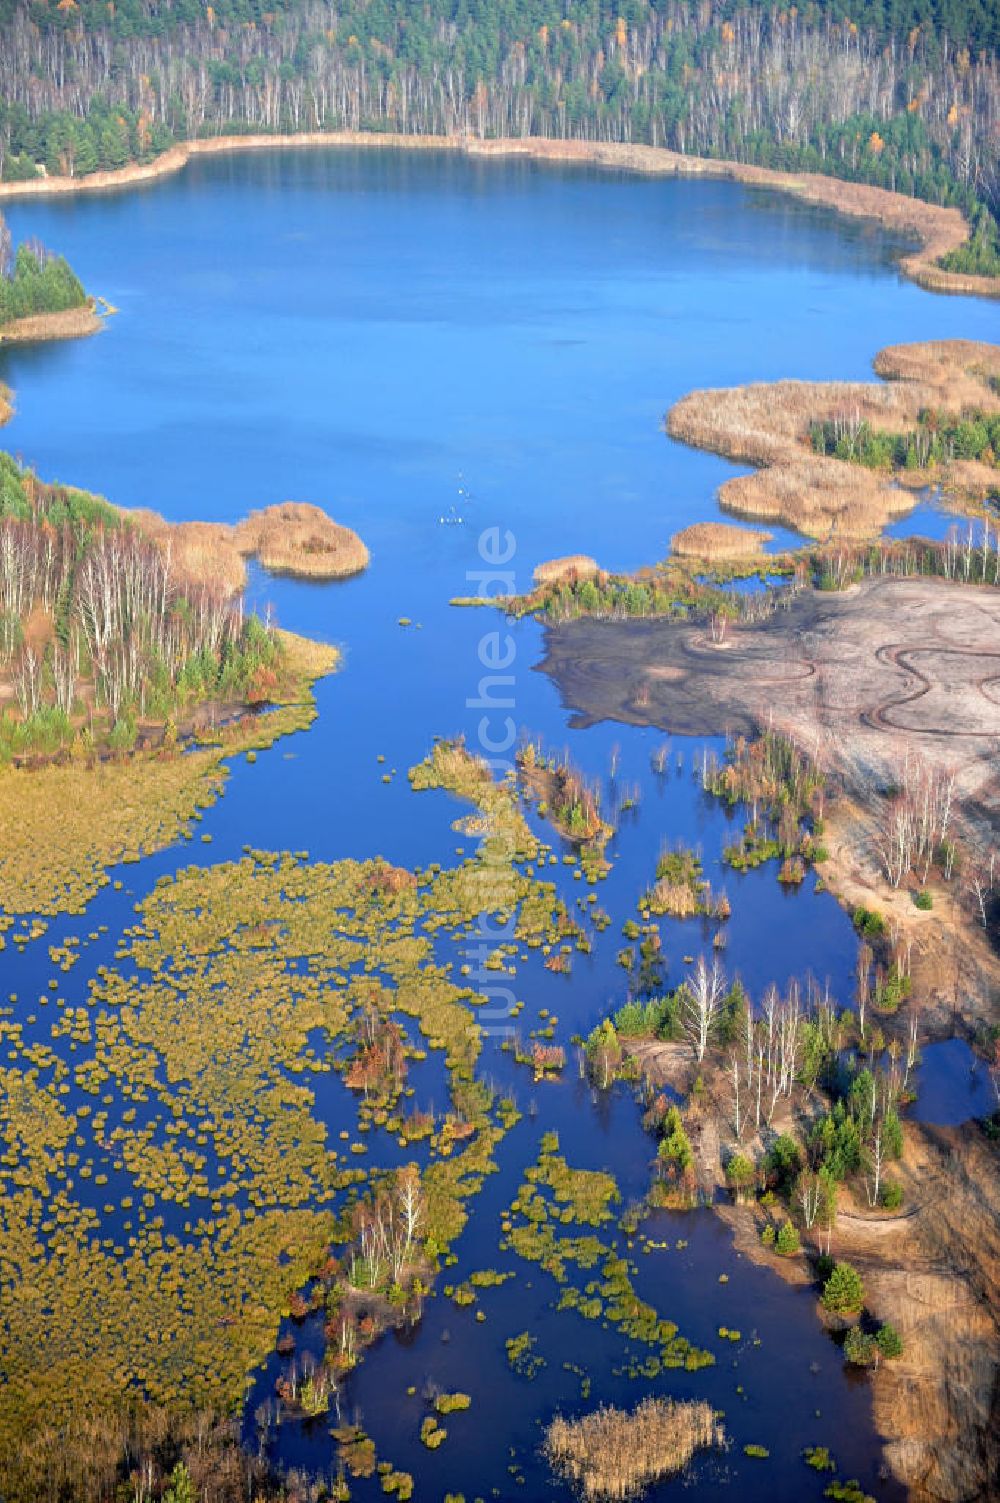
938	230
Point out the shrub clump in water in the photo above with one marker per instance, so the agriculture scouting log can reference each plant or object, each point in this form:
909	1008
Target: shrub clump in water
614	1453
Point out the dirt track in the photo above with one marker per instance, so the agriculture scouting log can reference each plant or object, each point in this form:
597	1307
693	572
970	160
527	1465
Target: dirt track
865	675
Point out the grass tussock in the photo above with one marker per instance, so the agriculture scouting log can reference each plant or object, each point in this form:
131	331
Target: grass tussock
615	1453
768	424
718	540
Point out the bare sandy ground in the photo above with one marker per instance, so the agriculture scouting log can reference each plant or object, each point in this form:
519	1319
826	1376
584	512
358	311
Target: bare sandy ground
861	679
857	676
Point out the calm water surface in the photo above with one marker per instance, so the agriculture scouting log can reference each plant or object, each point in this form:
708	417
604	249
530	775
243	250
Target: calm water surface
426	347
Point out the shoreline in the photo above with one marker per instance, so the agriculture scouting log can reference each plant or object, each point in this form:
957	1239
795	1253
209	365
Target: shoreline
939	229
36	328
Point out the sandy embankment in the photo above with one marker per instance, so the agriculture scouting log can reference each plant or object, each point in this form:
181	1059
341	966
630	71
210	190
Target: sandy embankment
938	230
71	323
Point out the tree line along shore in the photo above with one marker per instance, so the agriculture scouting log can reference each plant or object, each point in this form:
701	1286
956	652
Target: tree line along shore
120	631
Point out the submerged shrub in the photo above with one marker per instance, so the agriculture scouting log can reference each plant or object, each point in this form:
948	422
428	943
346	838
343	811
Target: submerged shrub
451	1403
432	1434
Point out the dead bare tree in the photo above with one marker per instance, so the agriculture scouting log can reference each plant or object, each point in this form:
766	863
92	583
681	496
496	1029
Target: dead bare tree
701	998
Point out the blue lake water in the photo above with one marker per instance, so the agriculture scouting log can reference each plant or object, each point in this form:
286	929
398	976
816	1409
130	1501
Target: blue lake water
428	347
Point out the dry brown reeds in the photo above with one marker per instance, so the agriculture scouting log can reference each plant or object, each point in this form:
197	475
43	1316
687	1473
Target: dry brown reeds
68	323
295	538
615	1453
569	570
200	550
718	540
767	425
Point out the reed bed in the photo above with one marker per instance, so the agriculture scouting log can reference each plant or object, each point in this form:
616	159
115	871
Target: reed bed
718	541
202	551
295	538
767	425
573	568
615	1453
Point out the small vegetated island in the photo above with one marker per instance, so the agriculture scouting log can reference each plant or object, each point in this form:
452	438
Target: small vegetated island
129	668
859	692
41	297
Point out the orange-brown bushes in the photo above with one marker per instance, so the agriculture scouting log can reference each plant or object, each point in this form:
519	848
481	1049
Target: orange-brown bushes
574	567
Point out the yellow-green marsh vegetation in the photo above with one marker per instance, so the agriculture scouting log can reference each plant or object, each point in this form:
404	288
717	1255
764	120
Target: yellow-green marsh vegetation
64	825
171	1176
555	1221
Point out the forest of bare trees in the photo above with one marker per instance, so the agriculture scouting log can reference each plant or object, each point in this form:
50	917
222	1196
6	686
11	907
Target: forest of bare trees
95	615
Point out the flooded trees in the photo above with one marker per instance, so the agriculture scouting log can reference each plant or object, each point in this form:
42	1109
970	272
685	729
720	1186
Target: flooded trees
387	1224
764	1063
